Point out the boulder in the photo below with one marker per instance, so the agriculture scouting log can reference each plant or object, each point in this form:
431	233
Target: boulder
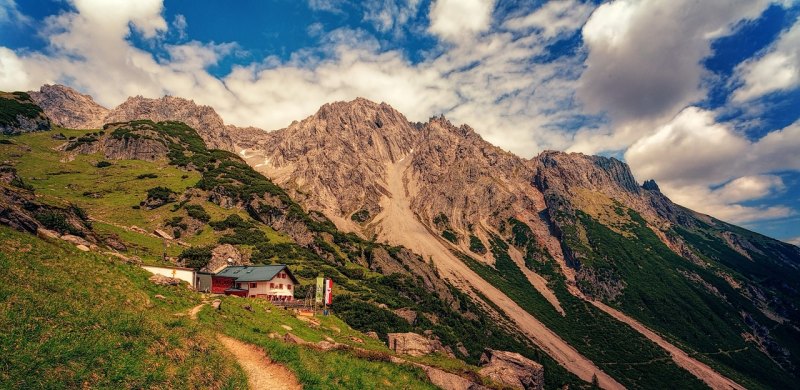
413	344
217	304
407	314
46	234
292	338
75	240
82	247
162	280
512	369
223	256
372	334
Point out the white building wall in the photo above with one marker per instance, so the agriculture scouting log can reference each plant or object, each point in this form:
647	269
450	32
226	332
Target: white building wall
263	287
177	273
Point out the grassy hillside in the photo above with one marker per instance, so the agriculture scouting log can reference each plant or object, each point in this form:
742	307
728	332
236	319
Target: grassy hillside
692	303
72	319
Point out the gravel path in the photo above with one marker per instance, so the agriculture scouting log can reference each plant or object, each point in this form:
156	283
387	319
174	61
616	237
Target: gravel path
262	373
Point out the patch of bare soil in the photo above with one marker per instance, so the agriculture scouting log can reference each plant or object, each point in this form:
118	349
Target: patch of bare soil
262	373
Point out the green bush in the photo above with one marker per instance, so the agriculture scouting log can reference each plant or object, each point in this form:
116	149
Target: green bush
196	257
147	176
450	235
103	164
197	212
163	194
476	245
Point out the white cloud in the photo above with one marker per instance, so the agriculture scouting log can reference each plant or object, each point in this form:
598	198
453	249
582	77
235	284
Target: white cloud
777	69
389	15
180	25
692	155
460	20
553	18
13	74
334	6
794	241
10	13
644	62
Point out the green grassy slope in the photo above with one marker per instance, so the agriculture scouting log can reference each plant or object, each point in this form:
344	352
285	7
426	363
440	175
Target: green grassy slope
71	319
692	305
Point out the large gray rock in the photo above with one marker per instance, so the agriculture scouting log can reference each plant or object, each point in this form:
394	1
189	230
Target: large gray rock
512	369
223	256
68	108
413	344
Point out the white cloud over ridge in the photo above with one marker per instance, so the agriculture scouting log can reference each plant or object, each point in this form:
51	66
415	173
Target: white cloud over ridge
640	67
692	155
778	69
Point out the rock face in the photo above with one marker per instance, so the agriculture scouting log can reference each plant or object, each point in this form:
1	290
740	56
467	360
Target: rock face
20	114
68	108
512	370
223	256
413	344
203	119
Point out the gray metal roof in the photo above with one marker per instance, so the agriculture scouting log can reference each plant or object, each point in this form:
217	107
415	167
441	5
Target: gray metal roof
254	273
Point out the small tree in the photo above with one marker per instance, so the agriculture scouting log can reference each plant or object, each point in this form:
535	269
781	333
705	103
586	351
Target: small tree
196	257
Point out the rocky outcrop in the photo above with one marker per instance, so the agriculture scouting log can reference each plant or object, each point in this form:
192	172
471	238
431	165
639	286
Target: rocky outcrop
223	256
68	108
162	280
339	154
20	114
414	344
512	369
203	119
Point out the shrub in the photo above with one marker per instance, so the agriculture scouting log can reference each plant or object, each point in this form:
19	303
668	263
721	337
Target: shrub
147	176
451	236
160	193
57	221
231	222
476	245
360	216
198	212
103	164
196	257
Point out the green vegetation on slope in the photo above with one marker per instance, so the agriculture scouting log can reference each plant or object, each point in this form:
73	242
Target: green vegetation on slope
703	318
621	352
72	319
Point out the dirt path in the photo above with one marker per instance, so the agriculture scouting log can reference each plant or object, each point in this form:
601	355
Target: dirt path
193	311
261	372
699	369
400	226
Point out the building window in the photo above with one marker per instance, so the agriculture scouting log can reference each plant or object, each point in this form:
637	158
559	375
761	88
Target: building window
253	285
238	285
289	286
280	285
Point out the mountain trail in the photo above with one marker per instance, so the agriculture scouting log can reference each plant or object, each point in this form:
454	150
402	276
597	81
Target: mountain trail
195	310
700	370
261	372
400	226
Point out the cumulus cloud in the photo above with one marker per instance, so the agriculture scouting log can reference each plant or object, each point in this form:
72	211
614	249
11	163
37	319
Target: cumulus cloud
705	165
460	20
777	69
644	61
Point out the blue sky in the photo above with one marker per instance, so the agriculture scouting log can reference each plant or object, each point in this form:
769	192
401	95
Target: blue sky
704	97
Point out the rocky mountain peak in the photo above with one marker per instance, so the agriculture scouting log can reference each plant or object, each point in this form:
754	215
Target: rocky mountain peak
567	170
69	108
202	118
